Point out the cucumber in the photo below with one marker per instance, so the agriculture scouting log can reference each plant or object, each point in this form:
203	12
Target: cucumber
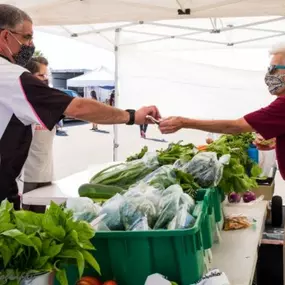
98	191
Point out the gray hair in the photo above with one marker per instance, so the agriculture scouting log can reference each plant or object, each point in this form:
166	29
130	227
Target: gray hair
11	16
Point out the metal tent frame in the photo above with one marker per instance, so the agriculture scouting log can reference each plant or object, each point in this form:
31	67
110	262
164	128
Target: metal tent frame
188	33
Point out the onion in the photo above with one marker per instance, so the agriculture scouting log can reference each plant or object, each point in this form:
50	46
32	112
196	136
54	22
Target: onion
249	196
234	197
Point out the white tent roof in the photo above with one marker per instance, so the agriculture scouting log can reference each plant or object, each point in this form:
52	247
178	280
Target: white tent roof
68	12
98	77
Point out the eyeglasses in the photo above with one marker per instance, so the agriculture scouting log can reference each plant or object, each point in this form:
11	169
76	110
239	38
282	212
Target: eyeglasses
273	68
28	37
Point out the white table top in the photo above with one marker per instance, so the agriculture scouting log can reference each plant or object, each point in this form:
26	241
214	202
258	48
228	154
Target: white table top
236	255
62	189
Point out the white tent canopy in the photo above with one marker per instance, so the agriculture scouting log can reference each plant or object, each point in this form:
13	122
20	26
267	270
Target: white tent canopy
74	12
98	77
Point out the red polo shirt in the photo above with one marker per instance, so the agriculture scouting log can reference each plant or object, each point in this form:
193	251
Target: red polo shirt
270	123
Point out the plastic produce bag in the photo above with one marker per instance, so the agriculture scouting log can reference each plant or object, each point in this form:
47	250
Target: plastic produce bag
161	178
84	209
206	168
126	174
140	225
112	210
182	219
133	209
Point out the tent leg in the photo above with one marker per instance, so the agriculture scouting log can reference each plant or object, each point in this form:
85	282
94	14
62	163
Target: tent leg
115	127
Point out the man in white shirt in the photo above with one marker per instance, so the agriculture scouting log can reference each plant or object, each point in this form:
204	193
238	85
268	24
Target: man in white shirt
25	100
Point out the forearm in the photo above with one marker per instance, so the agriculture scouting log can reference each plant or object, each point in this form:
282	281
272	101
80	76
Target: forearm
96	112
218	126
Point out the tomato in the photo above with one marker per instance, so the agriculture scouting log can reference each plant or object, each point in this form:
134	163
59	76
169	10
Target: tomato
110	282
88	280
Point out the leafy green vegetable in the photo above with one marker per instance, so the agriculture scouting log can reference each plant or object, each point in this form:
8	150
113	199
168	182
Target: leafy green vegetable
126	174
235	174
138	155
33	244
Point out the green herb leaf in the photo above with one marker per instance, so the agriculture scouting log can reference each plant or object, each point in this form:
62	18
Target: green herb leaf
53	229
91	260
18	236
28	222
52	250
6	253
6	227
76	254
61	277
37	244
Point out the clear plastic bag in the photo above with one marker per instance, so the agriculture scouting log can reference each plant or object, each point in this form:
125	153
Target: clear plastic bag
171	200
140	225
161	178
135	208
182	219
112	210
84	209
206	168
125	175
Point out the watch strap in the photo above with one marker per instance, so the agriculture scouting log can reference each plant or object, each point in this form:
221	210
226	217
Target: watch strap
132	116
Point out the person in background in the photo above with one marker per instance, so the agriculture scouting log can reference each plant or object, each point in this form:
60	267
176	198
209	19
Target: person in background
38	169
94	97
25	100
112	99
143	129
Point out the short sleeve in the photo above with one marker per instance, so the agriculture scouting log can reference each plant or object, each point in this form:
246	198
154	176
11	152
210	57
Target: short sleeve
46	104
269	121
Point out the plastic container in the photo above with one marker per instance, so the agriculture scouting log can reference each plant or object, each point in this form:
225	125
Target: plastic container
129	257
217	201
253	153
208	224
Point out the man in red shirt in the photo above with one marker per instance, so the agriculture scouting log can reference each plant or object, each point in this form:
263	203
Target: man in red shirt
269	122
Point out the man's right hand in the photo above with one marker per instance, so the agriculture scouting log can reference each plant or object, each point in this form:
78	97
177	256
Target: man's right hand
140	116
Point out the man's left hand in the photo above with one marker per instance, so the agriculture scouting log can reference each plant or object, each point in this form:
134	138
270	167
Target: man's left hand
171	125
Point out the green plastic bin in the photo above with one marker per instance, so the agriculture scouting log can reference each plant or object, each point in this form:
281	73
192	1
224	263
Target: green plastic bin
217	202
205	196
129	257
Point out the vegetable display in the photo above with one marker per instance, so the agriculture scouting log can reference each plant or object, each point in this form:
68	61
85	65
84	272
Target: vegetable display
33	244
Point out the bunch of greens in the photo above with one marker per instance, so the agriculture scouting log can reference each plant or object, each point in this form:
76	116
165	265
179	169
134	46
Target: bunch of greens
187	183
235	174
126	174
34	244
168	156
174	152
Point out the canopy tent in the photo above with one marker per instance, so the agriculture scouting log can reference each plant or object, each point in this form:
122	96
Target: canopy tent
138	38
101	77
74	12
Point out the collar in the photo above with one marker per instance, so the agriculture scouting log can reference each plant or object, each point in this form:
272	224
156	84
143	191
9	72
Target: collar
5	57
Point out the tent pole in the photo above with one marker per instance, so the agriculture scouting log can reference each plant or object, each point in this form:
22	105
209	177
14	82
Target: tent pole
115	127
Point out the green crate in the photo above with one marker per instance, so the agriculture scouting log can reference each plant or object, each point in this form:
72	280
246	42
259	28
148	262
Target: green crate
129	257
217	200
206	196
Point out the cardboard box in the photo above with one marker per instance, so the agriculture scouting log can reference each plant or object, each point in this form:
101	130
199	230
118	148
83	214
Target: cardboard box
266	190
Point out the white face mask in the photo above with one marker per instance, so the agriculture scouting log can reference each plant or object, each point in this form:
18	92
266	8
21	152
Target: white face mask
275	82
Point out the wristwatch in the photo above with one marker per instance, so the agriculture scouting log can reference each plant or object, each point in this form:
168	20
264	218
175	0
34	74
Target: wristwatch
132	116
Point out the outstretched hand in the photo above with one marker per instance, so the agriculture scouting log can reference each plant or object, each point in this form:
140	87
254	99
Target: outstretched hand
141	115
170	125
263	144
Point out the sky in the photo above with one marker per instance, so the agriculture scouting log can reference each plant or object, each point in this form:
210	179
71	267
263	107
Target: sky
65	53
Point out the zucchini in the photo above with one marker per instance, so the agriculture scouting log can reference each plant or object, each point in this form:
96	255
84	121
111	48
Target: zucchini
98	191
